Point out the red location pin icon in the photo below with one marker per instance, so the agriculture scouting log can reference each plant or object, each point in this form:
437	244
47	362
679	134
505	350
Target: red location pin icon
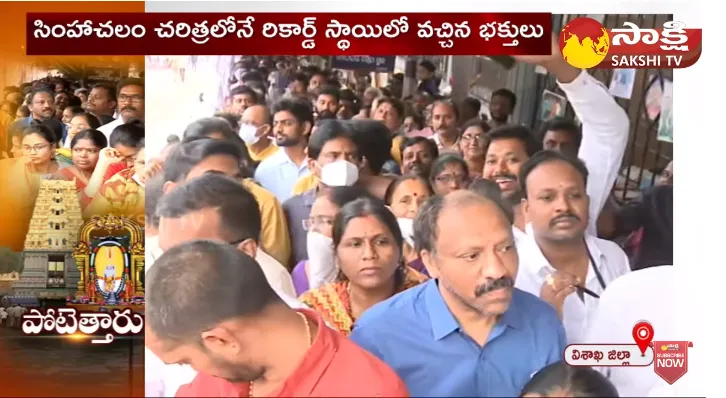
643	335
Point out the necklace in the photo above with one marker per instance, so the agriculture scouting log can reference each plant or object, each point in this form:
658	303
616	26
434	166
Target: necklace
308	334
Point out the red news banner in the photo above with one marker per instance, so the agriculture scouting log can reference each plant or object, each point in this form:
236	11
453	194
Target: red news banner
289	33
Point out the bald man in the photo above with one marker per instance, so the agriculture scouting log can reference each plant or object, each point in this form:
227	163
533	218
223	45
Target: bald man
255	130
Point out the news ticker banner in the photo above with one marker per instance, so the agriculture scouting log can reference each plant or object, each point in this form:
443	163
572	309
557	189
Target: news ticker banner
669	358
98	327
583	42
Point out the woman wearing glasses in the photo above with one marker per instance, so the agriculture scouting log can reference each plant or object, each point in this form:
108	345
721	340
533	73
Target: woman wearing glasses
449	173
473	144
368	251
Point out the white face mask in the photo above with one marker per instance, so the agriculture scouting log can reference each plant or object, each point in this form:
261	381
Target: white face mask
248	133
406	226
321	260
340	173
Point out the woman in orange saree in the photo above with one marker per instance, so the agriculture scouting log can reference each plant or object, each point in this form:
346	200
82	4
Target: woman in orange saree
368	248
122	194
86	147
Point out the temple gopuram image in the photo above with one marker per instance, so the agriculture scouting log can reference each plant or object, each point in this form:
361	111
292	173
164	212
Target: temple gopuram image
86	265
50	269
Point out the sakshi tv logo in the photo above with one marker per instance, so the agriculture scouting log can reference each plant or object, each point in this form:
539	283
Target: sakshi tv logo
585	43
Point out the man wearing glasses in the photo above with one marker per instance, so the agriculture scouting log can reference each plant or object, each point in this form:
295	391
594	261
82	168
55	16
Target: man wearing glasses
130	102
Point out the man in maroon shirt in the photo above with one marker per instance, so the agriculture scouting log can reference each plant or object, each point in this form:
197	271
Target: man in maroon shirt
210	306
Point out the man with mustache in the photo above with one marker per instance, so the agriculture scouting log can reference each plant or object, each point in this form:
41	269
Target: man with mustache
605	127
417	155
130	100
41	105
444	121
559	258
467	332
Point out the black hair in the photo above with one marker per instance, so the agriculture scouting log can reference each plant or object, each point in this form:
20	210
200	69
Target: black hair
189	154
302	78
238	209
340	196
325	115
490	190
508	94
517	132
560	123
374	142
428	65
40	90
76	110
74	101
37	127
128	134
348	95
388	197
472	103
548	156
417	117
54	125
231	118
244	90
98	138
430	145
154	190
329	90
212	280
448	103
484	126
396	104
130	81
444	160
363	207
301	110
205	127
93	122
253	76
110	89
328	130
579	381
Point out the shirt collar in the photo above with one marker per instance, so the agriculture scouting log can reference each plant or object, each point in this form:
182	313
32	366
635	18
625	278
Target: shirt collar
535	260
443	322
281	158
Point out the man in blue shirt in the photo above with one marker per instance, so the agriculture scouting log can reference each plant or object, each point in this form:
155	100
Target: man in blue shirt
468	332
42	108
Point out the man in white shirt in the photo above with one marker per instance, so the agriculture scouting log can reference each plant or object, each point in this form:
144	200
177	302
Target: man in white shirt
557	254
645	295
605	128
131	104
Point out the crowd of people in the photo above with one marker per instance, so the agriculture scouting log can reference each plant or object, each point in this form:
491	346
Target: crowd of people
323	237
93	135
11	317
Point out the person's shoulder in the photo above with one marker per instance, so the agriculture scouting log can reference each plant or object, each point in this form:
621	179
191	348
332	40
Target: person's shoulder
398	309
294	201
263	196
204	386
533	309
373	377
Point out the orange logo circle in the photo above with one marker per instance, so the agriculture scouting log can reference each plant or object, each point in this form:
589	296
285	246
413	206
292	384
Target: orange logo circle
584	43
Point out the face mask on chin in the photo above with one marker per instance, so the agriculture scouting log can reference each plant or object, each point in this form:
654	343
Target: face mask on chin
321	267
248	133
340	173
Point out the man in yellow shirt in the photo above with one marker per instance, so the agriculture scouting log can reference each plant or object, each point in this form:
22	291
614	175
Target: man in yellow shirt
255	130
203	156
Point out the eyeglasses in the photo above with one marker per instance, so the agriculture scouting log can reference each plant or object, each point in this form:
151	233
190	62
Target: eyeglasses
317	222
36	148
449	178
477	138
132	98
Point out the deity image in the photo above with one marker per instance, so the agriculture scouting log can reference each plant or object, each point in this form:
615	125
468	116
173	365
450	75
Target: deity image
109	260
